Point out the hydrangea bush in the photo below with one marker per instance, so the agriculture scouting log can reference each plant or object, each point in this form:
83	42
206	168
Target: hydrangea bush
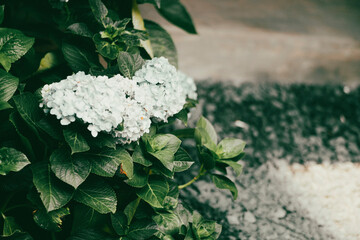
87	90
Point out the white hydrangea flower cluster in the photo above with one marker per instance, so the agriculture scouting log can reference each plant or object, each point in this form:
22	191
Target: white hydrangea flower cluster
162	90
102	102
118	105
188	85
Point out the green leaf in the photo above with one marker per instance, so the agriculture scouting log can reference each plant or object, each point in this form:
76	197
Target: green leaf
236	166
53	193
159	169
170	203
182	116
173	190
76	141
205	229
120	25
11	160
184	216
15	119
190	103
48	61
8	85
133	39
164	147
189	235
86	217
72	170
156	142
28	107
97	194
103	140
106	161
50	221
139	179
106	49
142	229
34	197
51	126
155	191
27	65
80	29
2	8
182	161
4	105
223	182
168	222
161	42
130	210
129	63
207	158
205	134
13	45
10	227
138	157
184	133
119	222
127	164
99	10
177	14
208	127
221	167
78	59
230	148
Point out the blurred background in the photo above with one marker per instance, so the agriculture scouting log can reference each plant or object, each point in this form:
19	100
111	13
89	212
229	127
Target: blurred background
313	41
282	75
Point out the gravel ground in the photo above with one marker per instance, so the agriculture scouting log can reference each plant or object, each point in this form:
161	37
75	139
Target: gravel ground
328	193
299	124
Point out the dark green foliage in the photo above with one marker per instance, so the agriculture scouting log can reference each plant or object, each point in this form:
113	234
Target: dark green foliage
58	181
12	160
13	45
129	63
161	42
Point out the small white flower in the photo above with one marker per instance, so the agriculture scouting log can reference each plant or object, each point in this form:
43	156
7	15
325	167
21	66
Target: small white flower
64	121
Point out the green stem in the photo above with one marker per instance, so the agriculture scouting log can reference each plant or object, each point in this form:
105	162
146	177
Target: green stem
201	173
53	237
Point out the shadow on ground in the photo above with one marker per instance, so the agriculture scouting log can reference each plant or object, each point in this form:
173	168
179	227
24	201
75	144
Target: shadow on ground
297	123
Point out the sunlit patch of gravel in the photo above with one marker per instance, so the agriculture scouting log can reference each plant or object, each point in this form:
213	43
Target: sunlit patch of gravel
327	193
262	211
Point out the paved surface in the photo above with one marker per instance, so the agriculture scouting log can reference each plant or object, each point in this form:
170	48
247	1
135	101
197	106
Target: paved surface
297	123
270	40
